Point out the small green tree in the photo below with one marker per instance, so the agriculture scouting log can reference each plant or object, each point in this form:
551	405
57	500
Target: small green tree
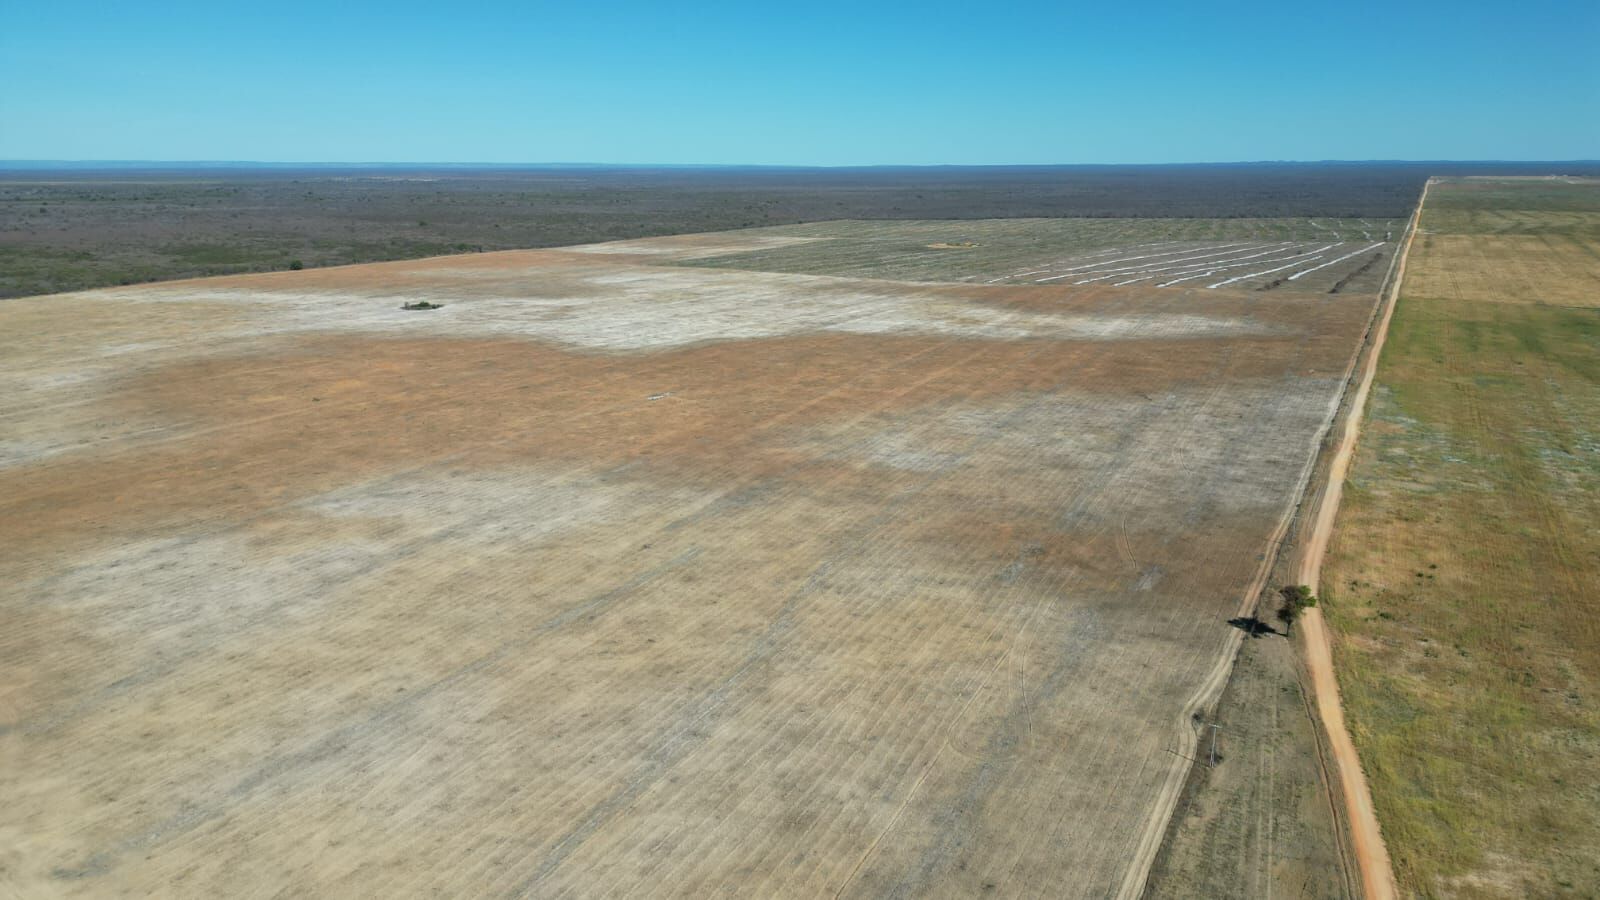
296	265
1297	598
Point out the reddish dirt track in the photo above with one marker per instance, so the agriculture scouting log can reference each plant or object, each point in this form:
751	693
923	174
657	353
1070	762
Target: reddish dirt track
1372	857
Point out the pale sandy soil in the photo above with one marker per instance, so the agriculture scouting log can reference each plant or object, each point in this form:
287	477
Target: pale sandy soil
612	577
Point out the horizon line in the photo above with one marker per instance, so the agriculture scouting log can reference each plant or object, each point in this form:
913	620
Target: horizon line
25	163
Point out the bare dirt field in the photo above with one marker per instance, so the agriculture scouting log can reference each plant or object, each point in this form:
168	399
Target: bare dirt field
1460	587
620	573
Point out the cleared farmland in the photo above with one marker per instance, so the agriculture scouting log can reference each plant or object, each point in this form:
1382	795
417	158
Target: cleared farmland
1462	580
1316	255
620	574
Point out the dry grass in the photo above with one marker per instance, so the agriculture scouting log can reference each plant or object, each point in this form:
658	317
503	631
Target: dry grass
1558	269
1464	579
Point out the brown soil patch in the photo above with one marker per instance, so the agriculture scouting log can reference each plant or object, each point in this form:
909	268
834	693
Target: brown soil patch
260	427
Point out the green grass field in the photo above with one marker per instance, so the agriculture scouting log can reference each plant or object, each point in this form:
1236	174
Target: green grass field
1463	584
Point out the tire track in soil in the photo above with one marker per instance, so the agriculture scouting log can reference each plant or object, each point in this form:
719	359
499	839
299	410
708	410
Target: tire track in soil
1210	689
1372	857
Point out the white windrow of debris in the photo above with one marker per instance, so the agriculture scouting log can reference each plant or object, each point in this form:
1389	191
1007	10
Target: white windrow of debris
1332	261
1319	251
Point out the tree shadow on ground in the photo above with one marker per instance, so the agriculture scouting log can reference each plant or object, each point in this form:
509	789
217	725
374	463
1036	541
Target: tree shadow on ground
1252	626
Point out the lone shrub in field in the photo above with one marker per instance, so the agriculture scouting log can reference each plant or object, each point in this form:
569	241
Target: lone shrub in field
1296	599
296	265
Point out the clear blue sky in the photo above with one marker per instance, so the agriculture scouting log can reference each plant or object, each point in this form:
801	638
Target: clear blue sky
821	83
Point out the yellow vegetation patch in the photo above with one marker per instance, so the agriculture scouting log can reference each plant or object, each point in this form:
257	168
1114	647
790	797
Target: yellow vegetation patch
1558	269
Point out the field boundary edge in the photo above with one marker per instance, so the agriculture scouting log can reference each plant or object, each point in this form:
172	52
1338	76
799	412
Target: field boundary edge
1155	833
1366	835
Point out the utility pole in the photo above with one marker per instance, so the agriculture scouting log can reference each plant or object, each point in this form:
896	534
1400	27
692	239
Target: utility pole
1214	729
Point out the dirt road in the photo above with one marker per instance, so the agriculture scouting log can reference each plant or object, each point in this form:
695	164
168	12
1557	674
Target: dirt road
1377	876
